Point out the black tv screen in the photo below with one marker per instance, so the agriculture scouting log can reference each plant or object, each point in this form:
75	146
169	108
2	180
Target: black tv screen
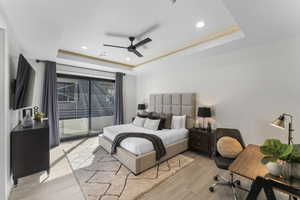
24	84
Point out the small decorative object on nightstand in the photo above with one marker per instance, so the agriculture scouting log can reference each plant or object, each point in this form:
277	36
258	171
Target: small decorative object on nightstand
27	119
201	140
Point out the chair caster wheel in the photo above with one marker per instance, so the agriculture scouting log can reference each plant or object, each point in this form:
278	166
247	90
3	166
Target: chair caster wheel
211	189
216	178
238	182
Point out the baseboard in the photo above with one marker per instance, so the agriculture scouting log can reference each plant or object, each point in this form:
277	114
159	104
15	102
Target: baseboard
9	188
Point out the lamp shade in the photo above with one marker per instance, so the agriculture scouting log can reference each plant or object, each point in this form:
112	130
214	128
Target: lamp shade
204	112
141	106
279	122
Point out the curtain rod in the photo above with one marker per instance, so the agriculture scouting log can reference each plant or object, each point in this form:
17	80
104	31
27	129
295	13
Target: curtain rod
37	60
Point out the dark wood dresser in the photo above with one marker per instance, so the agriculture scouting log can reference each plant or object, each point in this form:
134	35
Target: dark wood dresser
29	150
201	141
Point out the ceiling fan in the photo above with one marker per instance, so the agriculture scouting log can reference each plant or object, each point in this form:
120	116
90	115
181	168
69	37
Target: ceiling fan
132	47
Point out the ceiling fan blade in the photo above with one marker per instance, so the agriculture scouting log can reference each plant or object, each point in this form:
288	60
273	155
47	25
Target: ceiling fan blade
147	31
108	45
137	53
119	35
143	42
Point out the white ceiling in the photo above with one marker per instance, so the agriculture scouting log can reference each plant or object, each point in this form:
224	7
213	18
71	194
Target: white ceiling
42	26
262	22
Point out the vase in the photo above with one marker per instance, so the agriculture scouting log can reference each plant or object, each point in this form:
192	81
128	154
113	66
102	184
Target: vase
273	168
296	170
286	170
290	170
27	121
38	118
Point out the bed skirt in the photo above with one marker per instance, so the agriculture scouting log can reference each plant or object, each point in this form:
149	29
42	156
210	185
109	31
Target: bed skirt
140	163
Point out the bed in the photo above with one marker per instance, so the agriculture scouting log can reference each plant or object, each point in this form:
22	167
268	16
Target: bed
137	154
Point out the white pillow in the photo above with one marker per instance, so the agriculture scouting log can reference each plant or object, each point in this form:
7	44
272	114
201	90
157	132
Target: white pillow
152	124
178	122
139	121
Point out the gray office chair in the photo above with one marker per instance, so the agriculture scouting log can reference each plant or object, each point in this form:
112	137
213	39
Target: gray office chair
224	163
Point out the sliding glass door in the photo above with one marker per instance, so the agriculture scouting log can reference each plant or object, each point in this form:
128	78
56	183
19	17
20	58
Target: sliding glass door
85	105
102	101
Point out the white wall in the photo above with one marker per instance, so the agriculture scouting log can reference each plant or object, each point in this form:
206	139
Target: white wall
8	48
247	88
3	121
130	103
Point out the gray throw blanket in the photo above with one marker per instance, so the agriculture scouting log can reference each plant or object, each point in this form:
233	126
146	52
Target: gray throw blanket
156	141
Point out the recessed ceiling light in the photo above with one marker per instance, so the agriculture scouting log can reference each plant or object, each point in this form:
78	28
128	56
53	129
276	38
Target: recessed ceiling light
200	24
128	59
84	47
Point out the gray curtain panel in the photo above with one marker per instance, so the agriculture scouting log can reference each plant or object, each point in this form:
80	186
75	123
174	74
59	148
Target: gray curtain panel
118	107
49	105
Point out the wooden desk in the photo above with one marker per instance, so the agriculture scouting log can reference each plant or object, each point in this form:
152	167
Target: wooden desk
248	164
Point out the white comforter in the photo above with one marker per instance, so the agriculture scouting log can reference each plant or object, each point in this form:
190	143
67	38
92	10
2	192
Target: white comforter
141	146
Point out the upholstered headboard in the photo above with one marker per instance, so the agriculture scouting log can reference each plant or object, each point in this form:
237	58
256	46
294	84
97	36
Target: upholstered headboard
176	104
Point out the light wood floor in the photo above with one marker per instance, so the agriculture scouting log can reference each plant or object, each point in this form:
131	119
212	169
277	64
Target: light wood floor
60	185
190	183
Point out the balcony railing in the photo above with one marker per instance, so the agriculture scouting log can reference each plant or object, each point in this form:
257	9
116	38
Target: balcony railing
84	113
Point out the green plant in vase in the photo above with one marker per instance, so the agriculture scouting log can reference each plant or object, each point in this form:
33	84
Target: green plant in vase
38	116
287	156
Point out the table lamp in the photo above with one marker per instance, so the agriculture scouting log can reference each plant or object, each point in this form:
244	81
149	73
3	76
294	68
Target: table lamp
141	107
204	112
280	123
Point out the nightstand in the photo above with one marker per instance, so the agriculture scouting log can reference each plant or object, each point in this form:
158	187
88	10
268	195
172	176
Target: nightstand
201	141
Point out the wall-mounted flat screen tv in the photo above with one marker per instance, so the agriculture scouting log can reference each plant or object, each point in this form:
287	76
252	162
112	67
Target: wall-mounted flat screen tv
24	84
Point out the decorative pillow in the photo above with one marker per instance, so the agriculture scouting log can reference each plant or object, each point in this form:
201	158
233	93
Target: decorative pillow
167	120
229	147
151	124
143	115
139	121
178	122
154	115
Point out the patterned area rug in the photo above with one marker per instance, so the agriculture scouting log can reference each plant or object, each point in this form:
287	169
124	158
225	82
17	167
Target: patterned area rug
102	177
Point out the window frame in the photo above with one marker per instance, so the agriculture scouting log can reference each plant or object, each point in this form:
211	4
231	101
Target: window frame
90	79
75	99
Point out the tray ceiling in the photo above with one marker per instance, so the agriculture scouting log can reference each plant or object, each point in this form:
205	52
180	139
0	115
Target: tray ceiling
44	28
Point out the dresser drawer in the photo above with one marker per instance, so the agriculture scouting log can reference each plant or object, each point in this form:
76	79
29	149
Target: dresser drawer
205	138
200	141
194	137
199	145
